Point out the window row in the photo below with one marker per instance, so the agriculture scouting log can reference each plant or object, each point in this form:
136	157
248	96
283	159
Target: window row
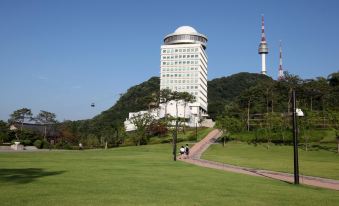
182	87
179	69
180	56
180	75
184	81
179	50
178	62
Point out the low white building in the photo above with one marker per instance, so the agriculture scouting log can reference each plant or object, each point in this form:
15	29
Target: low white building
189	111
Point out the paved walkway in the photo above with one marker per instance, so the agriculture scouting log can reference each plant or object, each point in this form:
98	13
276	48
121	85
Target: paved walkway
197	150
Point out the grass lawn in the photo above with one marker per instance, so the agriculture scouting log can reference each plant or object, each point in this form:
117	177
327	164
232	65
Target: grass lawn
142	175
189	135
315	135
321	160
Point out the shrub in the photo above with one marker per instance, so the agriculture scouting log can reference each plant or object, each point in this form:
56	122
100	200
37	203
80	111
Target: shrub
63	145
26	142
38	143
45	144
166	141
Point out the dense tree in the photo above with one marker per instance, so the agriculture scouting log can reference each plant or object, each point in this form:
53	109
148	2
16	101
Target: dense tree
47	119
3	131
186	98
165	96
142	123
21	115
228	125
334	79
222	91
245	96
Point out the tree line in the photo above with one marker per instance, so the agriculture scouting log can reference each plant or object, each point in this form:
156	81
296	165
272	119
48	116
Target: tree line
264	109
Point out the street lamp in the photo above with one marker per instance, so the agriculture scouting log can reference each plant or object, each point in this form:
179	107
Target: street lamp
296	113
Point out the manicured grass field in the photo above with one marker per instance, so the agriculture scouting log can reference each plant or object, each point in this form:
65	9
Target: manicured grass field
138	176
321	159
188	135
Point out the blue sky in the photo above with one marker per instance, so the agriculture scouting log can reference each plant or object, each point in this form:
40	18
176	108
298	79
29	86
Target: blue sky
61	56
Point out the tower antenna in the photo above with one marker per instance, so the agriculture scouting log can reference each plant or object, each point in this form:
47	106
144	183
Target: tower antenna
281	71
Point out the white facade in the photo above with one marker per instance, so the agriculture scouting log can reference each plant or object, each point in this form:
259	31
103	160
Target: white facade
183	68
183	65
129	126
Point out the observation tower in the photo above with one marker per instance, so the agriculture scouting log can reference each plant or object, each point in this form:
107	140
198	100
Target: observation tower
263	49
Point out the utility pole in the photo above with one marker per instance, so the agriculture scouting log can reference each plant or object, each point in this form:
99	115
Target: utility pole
175	140
295	140
196	132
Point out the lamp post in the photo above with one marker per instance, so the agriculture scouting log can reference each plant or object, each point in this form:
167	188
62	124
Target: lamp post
299	113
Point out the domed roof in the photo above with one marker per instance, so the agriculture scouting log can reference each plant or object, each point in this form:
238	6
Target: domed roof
185	30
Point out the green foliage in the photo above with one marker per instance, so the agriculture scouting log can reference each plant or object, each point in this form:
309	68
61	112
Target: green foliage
136	98
45	144
90	141
21	115
38	144
63	145
27	134
228	125
26	142
222	91
3	132
250	98
334	79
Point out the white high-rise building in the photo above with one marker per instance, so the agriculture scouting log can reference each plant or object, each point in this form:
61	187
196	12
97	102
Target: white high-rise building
184	68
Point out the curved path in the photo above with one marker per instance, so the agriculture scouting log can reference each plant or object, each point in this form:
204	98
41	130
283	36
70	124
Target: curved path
197	150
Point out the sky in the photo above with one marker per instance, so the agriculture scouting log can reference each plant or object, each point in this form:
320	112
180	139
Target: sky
62	55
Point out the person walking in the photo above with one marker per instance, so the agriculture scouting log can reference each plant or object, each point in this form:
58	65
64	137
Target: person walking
80	146
187	151
182	152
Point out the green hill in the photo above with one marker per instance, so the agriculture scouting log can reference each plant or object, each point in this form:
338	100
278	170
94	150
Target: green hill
220	91
225	89
135	99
